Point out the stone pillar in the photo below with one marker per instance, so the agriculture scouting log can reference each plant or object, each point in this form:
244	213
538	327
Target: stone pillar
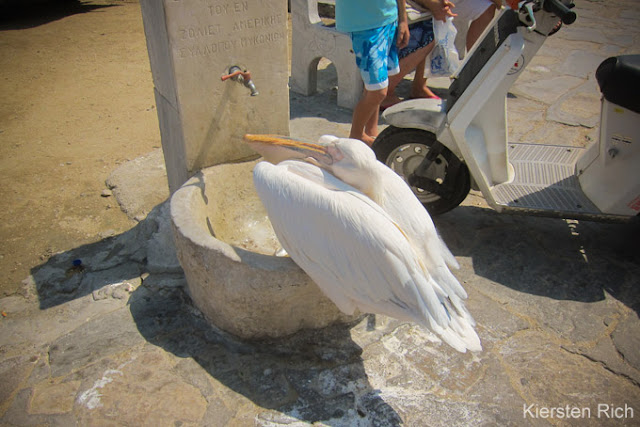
191	44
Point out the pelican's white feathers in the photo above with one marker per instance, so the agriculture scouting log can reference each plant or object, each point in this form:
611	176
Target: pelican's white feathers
382	258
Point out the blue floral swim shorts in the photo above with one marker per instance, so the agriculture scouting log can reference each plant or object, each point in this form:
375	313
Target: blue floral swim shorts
376	55
420	35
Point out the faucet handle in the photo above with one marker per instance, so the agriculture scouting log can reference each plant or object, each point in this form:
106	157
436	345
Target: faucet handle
236	73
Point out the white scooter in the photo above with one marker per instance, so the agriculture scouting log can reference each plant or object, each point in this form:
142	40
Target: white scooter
443	147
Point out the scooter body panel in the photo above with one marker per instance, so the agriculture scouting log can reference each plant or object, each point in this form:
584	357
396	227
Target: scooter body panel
612	179
477	122
426	114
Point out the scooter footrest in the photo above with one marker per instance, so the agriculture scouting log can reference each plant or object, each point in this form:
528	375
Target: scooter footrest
544	180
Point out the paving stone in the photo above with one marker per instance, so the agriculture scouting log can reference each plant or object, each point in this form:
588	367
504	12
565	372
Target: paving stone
590	34
142	391
418	410
579	107
528	357
36	327
193	373
53	398
18	414
548	90
581	64
558	134
627	341
13	373
606	353
149	169
93	340
524	116
41	370
495	321
218	414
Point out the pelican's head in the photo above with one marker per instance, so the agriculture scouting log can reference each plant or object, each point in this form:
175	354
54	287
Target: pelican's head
350	160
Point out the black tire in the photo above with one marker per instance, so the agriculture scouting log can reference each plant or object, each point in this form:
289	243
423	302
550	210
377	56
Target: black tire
403	150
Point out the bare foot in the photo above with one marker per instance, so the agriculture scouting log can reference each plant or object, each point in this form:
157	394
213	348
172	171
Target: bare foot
364	137
389	101
425	92
367	139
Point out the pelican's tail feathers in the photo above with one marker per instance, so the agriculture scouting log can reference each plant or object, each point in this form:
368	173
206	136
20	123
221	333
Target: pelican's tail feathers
447	255
461	310
451	338
467	334
459	333
448	282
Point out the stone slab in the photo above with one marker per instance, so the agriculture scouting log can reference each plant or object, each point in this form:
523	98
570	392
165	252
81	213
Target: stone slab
581	64
149	169
99	338
548	90
627	341
579	107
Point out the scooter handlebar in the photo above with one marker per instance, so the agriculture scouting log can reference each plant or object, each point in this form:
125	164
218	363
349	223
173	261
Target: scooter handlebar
567	15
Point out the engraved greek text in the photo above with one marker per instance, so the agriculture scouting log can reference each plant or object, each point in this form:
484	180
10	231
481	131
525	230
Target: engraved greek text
207	49
264	21
261	39
201	31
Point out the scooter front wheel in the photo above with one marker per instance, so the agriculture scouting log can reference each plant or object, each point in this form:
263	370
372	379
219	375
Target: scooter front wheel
446	181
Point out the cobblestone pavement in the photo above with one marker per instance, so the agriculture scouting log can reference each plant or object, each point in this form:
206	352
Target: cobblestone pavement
114	340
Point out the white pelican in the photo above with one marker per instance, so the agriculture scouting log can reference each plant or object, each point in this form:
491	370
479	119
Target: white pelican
356	228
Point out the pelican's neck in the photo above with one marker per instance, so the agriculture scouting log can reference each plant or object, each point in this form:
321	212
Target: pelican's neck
374	188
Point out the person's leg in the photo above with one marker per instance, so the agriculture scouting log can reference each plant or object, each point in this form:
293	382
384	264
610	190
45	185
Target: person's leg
407	64
478	25
413	58
377	59
469	11
364	124
419	88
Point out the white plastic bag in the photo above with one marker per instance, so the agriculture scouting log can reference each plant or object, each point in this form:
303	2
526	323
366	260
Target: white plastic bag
443	60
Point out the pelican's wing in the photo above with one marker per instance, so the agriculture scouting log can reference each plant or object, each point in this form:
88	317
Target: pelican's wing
351	248
403	206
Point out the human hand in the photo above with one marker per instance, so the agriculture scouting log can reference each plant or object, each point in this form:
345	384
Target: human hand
403	34
442	9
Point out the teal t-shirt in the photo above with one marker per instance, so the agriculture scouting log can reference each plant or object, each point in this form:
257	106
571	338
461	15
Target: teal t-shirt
360	15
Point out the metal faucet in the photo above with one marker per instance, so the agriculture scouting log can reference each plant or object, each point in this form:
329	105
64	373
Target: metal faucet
243	76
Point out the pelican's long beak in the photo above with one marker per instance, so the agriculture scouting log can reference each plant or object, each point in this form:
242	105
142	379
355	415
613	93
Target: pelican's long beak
275	149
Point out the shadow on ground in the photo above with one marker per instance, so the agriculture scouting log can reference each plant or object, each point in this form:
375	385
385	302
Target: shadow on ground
315	375
555	258
80	271
22	14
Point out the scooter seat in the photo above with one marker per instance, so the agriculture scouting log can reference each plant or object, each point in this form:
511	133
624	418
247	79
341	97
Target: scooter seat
619	80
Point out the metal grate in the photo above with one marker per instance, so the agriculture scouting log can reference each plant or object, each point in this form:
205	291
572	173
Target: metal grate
544	180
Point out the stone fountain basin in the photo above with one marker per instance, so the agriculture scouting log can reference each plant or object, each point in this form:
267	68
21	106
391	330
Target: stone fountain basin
225	245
